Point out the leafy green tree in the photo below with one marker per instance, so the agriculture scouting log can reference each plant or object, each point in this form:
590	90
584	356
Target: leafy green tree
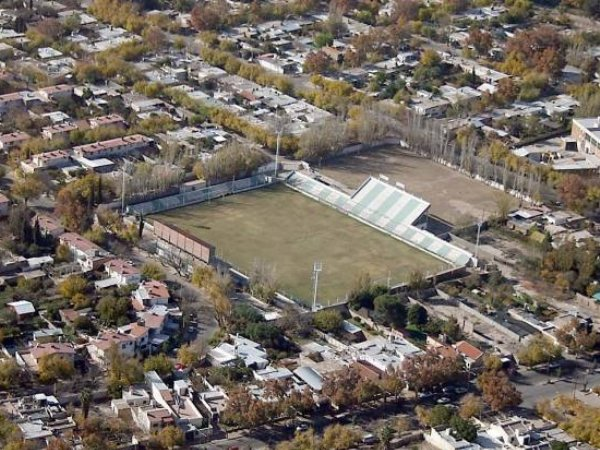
71	286
417	315
440	416
463	429
160	363
153	271
170	437
54	367
538	350
391	310
113	311
9	373
328	320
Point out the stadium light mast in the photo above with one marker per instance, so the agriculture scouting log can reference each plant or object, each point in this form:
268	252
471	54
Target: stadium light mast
280	124
479	225
317	268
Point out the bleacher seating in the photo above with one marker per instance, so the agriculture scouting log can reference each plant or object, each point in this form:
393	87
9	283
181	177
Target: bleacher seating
385	207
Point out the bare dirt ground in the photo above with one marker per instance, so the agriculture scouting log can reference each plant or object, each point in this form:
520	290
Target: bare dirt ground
454	197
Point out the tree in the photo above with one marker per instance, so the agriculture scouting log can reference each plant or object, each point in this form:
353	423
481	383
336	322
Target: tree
54	367
153	271
463	429
451	329
338	437
386	434
233	161
121	372
328	320
498	392
58	444
340	387
160	363
263	282
470	406
170	437
154	37
392	383
417	315
9	373
190	355
572	191
113	311
27	187
540	48
391	310
208	15
417	281
72	286
427	370
481	40
85	397
317	62
538	350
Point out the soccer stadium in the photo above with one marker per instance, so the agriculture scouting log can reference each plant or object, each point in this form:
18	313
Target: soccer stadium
288	227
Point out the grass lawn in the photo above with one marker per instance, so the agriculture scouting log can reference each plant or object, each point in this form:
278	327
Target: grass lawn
288	231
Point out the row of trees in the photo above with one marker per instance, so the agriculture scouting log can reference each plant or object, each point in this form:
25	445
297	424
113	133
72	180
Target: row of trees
233	161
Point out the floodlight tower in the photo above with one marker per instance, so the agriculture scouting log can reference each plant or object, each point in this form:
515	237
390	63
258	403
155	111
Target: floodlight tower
317	268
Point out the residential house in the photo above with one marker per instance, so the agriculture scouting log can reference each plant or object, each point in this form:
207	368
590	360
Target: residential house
472	356
113	147
241	349
23	309
39	417
40	351
112	120
99	346
47	160
49	226
54	93
150	293
59	130
87	254
139	335
123	272
12	140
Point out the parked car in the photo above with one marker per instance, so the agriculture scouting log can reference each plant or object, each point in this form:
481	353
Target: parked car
443	400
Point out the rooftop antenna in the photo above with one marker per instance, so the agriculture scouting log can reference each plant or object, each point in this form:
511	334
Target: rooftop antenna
317	268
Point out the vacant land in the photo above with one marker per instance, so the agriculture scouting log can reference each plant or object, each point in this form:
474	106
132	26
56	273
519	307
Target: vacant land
454	197
289	232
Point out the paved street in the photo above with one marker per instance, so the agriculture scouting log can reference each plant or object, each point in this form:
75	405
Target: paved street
536	386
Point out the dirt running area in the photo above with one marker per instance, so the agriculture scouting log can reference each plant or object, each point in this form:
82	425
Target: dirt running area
454	197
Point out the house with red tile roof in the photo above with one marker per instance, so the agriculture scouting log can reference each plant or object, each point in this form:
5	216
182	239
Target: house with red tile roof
472	356
87	254
150	293
99	346
122	271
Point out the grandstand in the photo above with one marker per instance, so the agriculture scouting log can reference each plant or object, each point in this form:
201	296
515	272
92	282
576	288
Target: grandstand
385	207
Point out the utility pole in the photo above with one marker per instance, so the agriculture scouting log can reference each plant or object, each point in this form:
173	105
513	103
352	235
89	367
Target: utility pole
317	268
123	190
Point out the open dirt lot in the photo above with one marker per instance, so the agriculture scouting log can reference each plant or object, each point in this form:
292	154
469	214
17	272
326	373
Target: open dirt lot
454	197
288	231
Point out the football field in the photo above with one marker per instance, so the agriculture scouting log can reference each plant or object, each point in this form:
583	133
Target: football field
288	231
